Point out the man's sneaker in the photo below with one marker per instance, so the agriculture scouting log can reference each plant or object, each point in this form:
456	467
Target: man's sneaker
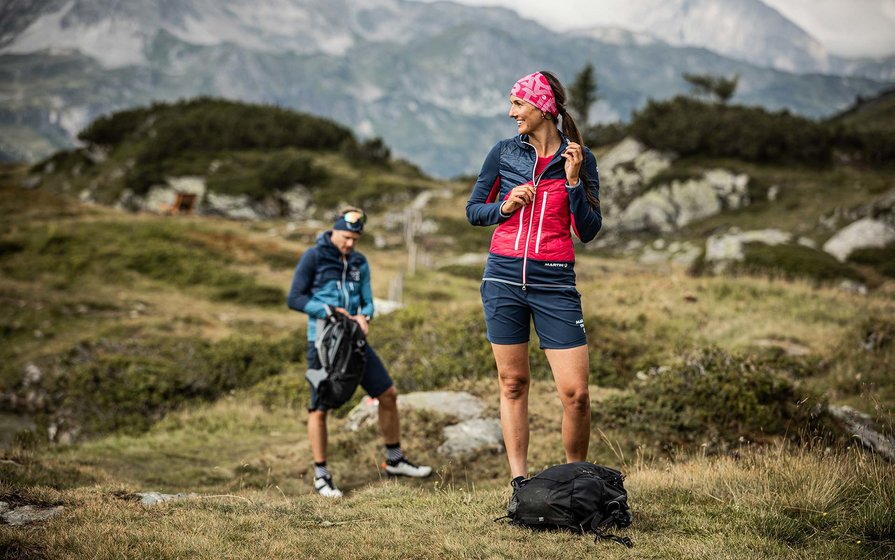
403	467
325	487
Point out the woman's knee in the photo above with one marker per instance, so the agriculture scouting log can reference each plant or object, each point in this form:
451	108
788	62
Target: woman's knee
576	400
514	386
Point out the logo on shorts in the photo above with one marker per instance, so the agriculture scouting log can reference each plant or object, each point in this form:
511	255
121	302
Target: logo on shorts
580	323
557	265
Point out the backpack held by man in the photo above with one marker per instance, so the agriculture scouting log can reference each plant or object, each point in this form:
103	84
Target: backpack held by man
342	348
579	496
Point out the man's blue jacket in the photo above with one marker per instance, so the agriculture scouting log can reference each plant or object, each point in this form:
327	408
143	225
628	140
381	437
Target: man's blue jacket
325	277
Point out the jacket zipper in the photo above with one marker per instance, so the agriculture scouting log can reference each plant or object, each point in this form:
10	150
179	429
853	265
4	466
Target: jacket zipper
534	182
344	278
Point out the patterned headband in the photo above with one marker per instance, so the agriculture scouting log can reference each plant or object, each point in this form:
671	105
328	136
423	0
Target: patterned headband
535	89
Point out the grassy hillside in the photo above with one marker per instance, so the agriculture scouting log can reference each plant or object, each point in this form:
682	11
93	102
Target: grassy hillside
877	112
237	148
166	357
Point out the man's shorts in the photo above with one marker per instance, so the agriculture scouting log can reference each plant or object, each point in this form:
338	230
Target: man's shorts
375	381
556	313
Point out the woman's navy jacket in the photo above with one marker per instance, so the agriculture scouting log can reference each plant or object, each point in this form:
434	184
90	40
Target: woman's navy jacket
324	277
533	246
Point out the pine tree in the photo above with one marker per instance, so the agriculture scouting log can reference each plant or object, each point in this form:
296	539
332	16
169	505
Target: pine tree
583	94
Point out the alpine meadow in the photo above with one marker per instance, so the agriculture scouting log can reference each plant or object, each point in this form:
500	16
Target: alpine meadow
739	307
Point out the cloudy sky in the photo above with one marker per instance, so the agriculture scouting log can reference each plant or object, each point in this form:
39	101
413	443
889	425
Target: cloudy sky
844	27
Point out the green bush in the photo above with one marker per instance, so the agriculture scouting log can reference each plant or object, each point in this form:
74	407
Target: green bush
690	127
881	259
794	261
127	385
372	151
282	173
604	134
713	397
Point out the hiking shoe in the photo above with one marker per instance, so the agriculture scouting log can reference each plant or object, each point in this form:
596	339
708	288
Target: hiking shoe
403	467
325	487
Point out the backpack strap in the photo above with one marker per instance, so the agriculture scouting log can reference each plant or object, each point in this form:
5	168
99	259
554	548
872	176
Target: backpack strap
604	524
626	541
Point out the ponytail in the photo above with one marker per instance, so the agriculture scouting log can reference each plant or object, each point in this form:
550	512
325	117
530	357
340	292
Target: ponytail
570	130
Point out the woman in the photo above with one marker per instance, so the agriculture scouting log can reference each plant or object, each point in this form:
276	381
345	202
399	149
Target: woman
535	187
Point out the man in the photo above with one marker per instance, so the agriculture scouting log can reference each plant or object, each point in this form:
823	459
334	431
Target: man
333	275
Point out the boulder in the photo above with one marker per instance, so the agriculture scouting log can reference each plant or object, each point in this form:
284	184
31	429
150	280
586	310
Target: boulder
297	203
670	207
864	233
728	247
471	437
465	436
238	207
459	405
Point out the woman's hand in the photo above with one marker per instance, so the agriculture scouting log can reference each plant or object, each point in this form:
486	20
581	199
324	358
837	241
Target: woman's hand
519	197
574	158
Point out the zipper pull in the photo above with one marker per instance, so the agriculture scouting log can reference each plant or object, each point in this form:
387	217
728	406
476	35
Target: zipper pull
523	287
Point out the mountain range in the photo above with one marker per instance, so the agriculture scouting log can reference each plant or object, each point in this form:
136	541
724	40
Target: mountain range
430	78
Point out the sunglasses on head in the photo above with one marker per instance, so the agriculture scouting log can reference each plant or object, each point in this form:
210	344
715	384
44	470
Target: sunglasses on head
354	217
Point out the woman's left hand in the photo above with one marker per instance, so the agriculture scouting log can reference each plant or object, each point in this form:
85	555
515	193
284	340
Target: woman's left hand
574	157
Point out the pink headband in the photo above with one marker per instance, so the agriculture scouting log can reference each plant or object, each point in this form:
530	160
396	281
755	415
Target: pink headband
535	89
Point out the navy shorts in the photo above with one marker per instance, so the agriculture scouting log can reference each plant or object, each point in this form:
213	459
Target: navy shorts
556	312
375	381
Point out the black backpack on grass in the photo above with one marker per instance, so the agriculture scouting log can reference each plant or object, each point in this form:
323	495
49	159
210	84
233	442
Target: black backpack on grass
342	349
579	496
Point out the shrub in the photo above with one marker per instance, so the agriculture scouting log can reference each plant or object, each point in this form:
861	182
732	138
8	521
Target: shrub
690	127
373	150
127	385
282	173
794	261
604	134
881	259
713	396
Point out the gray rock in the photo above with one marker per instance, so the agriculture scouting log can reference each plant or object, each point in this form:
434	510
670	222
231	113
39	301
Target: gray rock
24	515
670	207
4	507
153	498
864	233
297	203
862	427
237	207
460	405
727	247
472	436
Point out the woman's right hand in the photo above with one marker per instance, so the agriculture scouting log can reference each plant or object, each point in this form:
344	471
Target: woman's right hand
519	197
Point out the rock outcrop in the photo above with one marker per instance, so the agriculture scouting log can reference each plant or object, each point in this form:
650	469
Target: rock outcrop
670	207
722	249
864	233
